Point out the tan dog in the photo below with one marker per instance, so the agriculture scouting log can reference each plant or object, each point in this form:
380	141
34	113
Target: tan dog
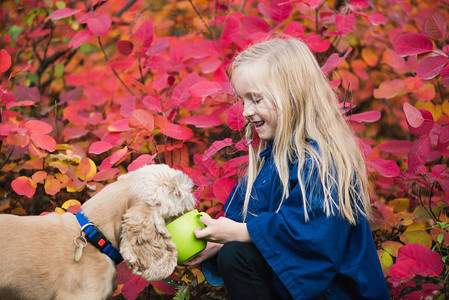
37	252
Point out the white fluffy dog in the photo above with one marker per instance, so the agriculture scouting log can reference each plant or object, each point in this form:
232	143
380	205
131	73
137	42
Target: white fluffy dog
37	253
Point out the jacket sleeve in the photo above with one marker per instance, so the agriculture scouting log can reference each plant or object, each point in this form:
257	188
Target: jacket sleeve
304	255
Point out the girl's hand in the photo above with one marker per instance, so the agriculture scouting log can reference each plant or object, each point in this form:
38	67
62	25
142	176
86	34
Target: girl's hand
222	230
211	250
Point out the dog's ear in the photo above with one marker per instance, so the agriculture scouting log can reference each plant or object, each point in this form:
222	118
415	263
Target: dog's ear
146	244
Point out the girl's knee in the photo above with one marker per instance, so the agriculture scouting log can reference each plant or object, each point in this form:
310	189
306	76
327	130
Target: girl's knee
236	255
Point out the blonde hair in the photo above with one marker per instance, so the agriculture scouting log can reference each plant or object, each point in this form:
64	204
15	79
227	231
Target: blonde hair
286	72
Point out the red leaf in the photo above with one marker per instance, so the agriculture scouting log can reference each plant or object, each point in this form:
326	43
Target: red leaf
222	188
5	60
412	44
141	119
23	186
254	24
431	66
316	44
26	93
125	47
333	61
39	176
160	82
20	103
435	25
118	155
119	126
444	135
412	260
99	147
105	174
145	32
177	132
63	13
426	126
165	288
79	38
368	116
216	146
181	91
230	30
132	288
275	10
43	141
38	127
205	88
152	103
72	95
234	165
377	19
128	106
211	66
419	153
208	166
201	121
396	147
143	160
235	117
100	24
344	23
387	168
413	115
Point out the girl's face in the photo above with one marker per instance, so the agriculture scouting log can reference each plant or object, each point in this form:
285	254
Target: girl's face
257	109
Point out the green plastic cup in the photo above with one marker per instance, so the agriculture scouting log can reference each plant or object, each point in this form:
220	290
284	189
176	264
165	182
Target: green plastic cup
181	230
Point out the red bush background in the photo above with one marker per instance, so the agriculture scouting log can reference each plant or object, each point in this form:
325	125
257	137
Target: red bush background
93	89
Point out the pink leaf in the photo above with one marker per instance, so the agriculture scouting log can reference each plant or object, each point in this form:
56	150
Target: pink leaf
143	160
254	24
211	66
128	106
279	10
100	24
125	47
234	165
444	135
63	13
413	115
152	103
19	103
419	153
23	186
99	147
431	66
333	61
177	132
105	174
222	188
72	95
426	126
44	141
118	155
145	32
368	116
142	119
119	126
412	260
5	60
205	88
316	44
132	288
344	23
230	30
377	19
445	75
26	93
396	147
201	121
38	127
387	168
160	82
235	117
358	4
435	25
412	44
216	146
181	91
79	38
208	166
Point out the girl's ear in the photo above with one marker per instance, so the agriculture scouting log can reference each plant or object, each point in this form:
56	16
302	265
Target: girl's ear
146	244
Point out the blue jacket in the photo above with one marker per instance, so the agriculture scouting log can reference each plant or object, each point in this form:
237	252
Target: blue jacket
323	258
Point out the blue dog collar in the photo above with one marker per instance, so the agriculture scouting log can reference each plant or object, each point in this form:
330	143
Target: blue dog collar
96	238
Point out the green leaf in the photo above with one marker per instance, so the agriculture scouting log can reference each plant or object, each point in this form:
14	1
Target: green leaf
440	238
60	4
14	33
59	70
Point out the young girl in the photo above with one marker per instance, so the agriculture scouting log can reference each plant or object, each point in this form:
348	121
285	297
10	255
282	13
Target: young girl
296	226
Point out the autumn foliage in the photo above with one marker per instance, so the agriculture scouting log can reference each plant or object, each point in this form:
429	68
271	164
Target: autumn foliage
93	89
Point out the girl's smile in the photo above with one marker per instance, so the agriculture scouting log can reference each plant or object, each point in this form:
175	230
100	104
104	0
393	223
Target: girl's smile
257	108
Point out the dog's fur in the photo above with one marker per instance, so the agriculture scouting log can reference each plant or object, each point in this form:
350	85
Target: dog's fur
37	252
